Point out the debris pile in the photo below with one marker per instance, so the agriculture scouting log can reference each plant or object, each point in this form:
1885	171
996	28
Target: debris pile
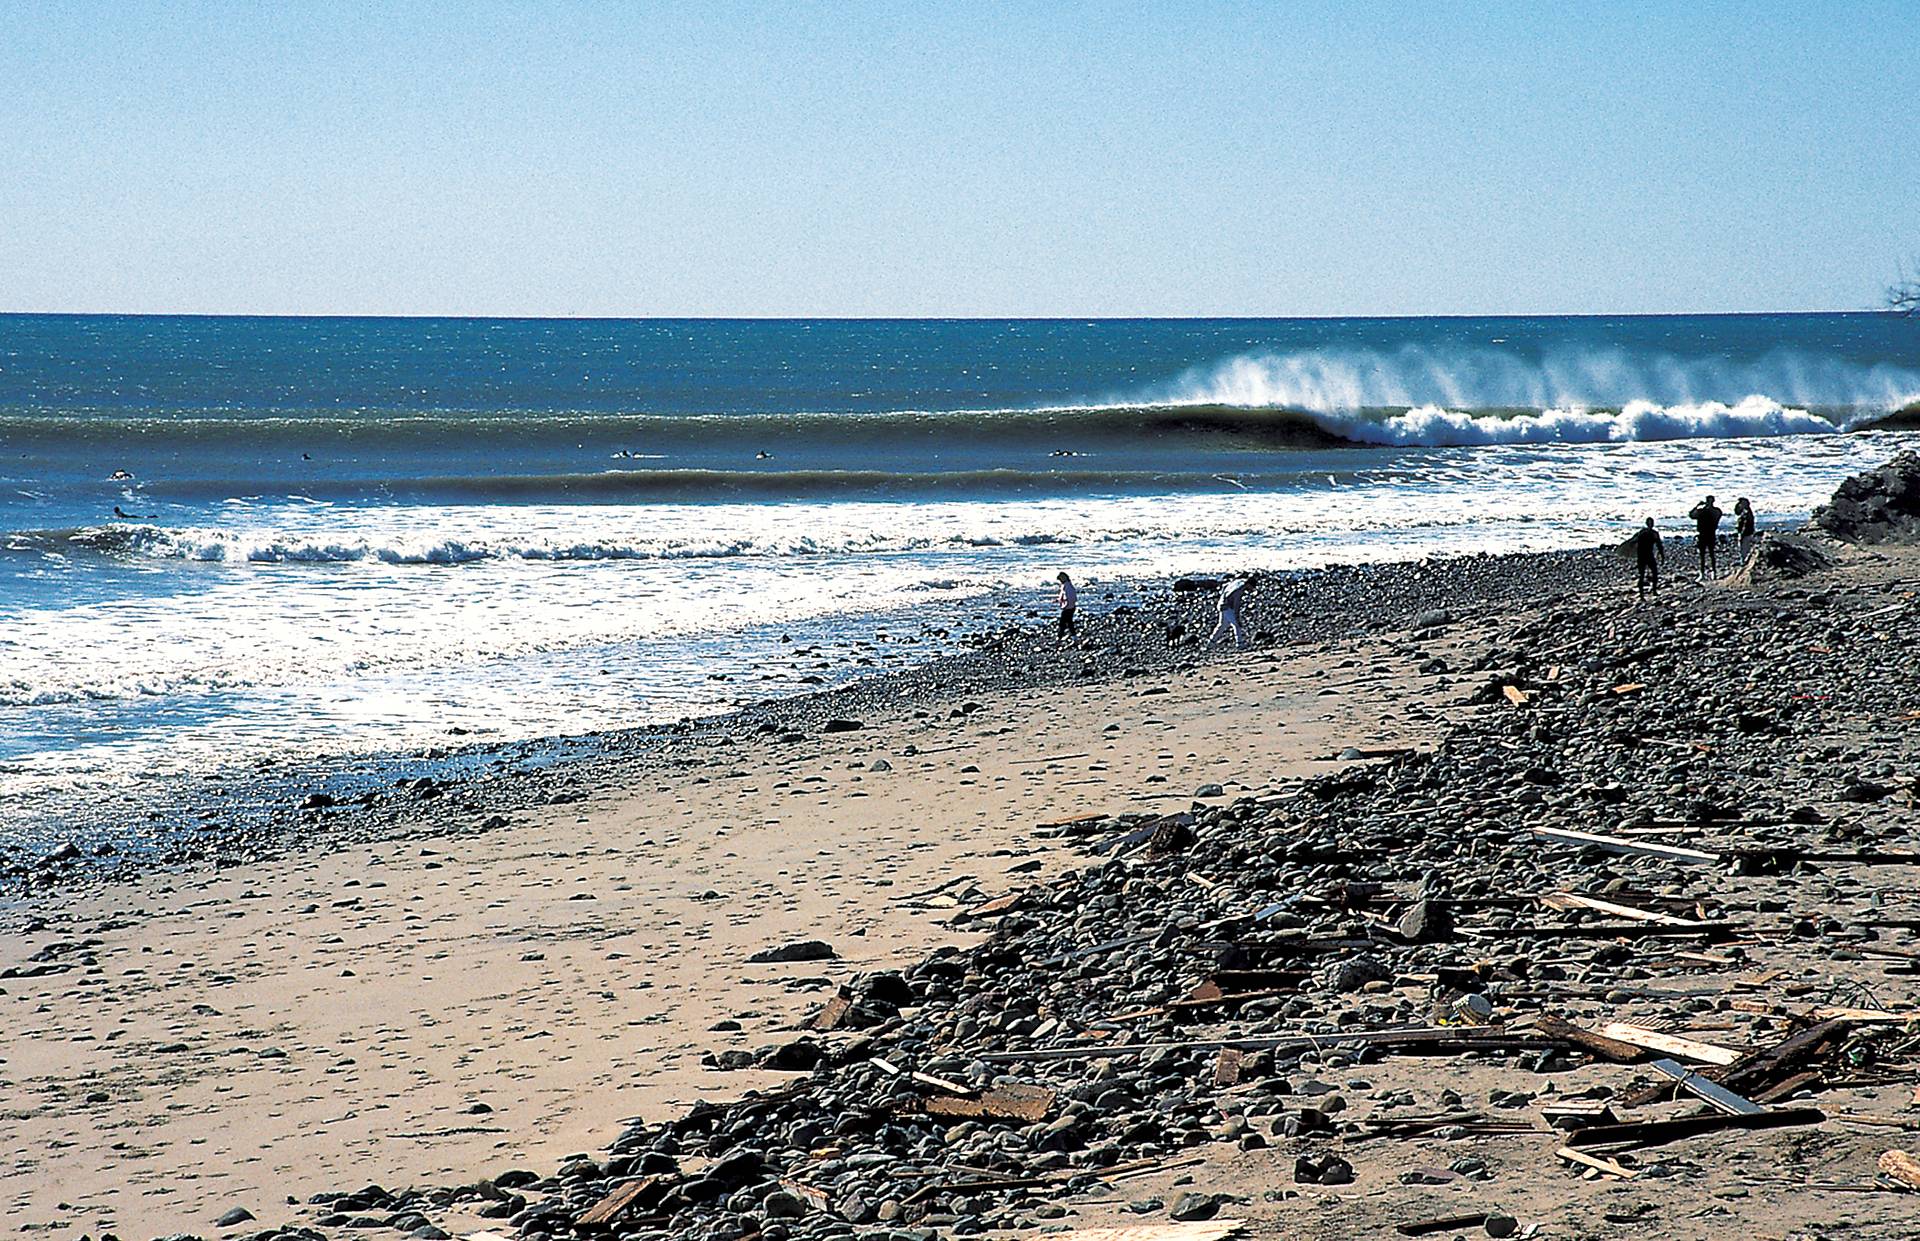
1605	878
1779	556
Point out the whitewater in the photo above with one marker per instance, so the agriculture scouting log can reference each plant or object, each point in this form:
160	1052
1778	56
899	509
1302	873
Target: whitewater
232	542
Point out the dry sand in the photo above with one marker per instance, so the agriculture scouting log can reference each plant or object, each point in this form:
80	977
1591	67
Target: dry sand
435	1010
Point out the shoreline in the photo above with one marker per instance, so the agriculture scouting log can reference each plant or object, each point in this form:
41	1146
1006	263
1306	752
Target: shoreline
191	1012
363	798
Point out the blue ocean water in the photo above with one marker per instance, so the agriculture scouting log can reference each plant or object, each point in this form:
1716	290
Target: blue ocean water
233	540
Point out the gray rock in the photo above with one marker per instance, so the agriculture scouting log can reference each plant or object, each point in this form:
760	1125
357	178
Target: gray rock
1426	922
799	950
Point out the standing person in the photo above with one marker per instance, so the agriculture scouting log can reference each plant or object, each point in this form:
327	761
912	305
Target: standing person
1233	599
1743	525
1069	600
1646	544
1706	520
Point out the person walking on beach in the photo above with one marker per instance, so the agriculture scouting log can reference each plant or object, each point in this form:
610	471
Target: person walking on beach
1743	526
1646	546
1069	600
1706	519
1233	599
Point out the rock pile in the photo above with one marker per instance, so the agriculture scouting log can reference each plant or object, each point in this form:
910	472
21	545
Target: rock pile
1539	892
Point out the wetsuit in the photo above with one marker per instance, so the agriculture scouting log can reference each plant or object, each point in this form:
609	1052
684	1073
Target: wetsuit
1706	518
1647	549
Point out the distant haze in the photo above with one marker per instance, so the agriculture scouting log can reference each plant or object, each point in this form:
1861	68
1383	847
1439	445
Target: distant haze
954	160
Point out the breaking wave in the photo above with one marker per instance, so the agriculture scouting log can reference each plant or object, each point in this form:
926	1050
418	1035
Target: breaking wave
1431	426
1352	381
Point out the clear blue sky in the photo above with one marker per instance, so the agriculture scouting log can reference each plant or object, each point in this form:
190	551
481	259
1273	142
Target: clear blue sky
705	158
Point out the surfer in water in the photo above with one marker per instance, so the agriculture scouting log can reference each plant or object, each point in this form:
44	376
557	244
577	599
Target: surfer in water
1069	600
1233	600
1706	519
1648	551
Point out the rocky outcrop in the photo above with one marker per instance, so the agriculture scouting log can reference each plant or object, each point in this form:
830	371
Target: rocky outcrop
1877	505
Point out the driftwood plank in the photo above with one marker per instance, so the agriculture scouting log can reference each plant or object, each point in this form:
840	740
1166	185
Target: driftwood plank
1574	899
832	1013
1671	1044
1618	844
1599	1044
622	1199
1209	1230
1656	1132
1027	1104
1597	1163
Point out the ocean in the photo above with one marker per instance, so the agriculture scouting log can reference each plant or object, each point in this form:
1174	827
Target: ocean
230	544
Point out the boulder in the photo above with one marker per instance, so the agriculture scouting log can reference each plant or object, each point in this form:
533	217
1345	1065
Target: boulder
1875	505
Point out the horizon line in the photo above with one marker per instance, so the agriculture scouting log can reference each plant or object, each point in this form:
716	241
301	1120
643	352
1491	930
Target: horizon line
402	316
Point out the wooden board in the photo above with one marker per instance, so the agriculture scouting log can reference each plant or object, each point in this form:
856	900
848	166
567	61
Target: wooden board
1669	1044
833	1013
1564	900
1027	1104
1617	844
1208	1230
1597	1163
615	1204
1600	1045
1657	1132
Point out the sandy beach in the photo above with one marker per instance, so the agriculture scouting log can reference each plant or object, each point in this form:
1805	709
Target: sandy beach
434	1010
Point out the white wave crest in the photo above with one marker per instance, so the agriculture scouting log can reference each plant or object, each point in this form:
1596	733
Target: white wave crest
1431	426
213	546
1415	377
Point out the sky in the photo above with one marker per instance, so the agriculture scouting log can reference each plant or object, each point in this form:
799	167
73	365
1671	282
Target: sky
852	159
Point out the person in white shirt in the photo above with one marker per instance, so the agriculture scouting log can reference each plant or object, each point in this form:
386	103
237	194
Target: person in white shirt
1069	599
1233	598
